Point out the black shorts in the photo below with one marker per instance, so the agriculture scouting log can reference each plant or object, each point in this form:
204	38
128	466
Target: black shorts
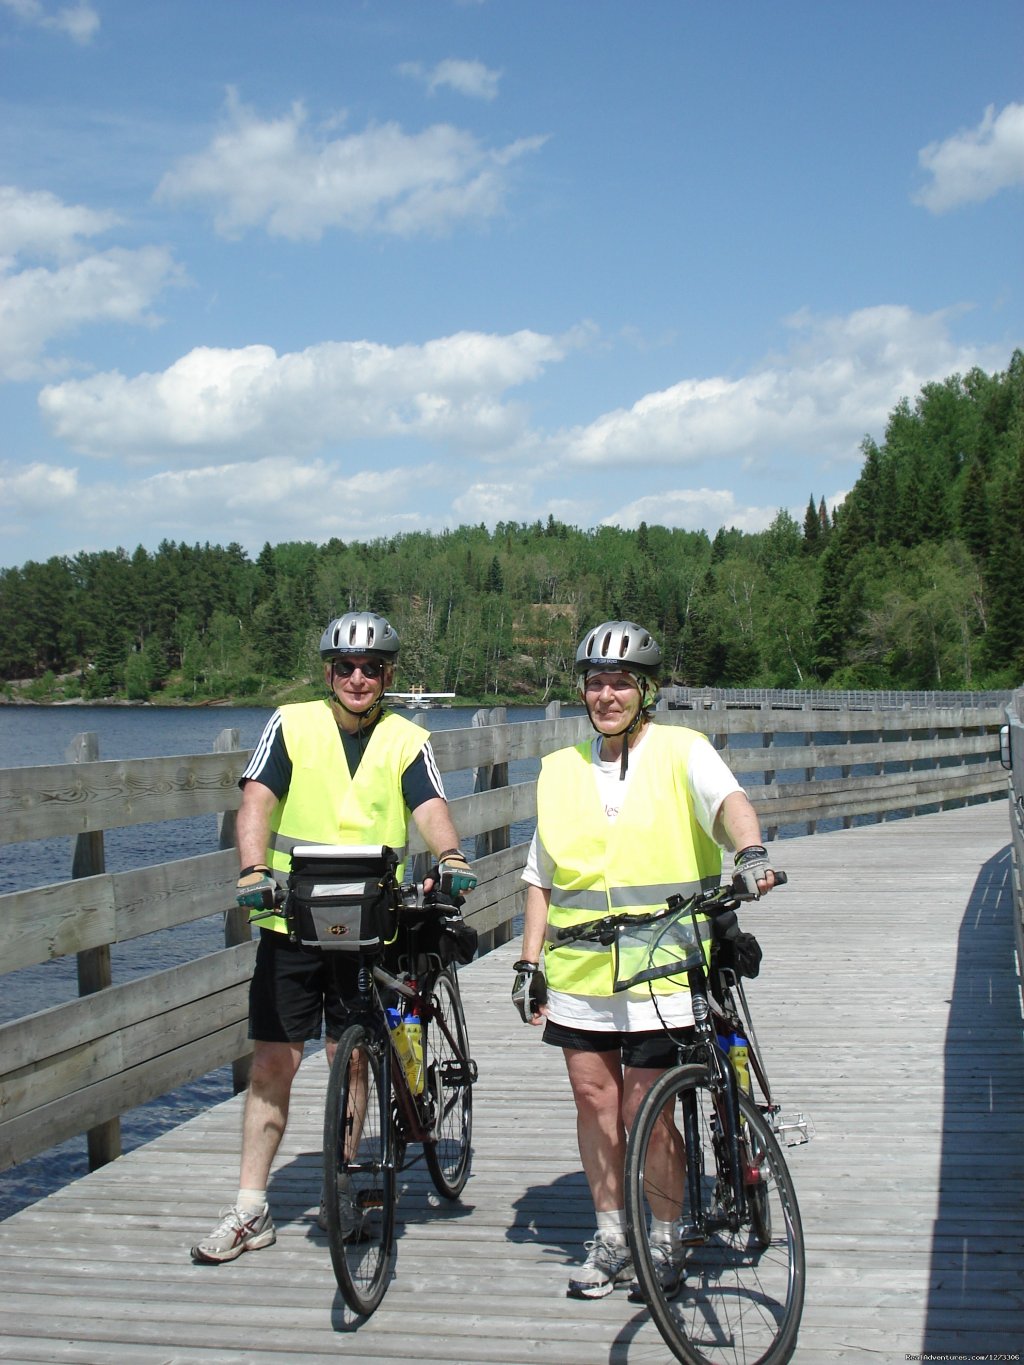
650	1051
294	988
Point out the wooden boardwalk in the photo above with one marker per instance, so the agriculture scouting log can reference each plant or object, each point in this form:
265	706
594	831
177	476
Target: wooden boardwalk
889	1010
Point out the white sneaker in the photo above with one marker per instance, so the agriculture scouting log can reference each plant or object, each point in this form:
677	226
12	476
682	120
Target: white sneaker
668	1266
238	1230
609	1263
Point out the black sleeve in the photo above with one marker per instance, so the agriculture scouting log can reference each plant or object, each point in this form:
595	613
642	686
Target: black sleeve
270	763
421	781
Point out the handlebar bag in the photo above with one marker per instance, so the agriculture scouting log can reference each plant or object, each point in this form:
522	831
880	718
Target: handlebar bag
342	898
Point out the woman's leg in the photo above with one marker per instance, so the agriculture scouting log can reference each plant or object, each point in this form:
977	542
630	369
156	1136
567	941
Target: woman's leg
665	1167
596	1080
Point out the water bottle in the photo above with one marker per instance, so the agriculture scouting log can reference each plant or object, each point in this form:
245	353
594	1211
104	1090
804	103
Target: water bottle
740	1060
408	1035
412	1060
734	1045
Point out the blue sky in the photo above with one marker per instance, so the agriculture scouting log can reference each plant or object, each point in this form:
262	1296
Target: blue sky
277	271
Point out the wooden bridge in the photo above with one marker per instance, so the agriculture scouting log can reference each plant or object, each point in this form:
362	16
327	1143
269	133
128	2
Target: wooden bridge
889	1010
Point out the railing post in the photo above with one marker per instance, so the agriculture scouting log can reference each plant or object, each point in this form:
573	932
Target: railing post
236	920
489	778
94	971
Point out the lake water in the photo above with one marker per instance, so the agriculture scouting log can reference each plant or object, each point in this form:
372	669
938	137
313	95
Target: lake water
32	736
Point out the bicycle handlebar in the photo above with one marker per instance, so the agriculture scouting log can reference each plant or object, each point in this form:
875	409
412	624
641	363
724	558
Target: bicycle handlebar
721	901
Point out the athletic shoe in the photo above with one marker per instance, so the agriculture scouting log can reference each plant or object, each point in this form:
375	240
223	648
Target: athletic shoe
353	1227
238	1230
609	1263
668	1266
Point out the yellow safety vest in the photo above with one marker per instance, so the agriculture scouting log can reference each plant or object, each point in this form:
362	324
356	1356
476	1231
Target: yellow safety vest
653	849
324	803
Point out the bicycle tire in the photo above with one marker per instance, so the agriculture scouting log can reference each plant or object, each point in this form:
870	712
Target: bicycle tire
450	1087
359	1174
742	1299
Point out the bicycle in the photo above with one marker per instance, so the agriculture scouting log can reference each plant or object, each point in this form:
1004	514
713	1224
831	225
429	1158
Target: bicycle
723	1178
393	1082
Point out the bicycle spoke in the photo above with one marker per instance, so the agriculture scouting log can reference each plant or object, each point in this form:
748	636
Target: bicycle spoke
449	1086
743	1295
359	1178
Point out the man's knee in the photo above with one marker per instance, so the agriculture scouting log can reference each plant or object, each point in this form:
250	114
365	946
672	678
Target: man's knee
274	1066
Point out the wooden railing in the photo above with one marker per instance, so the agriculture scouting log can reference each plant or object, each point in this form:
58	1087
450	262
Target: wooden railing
75	1067
1013	758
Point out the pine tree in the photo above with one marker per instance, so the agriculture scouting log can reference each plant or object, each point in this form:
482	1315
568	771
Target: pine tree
974	522
813	538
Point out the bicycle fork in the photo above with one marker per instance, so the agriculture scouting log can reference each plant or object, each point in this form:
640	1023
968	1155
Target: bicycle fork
729	1205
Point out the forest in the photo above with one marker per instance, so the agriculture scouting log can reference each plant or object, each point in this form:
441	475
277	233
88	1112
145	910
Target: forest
913	582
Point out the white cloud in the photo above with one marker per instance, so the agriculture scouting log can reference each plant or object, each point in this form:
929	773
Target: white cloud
79	22
692	509
490	502
296	182
36	224
975	163
221	503
839	380
39	303
35	489
253	400
466	78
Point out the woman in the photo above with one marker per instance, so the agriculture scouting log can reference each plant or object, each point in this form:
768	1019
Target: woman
623	820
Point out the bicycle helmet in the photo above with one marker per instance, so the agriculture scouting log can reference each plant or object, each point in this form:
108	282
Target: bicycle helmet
619	644
360	632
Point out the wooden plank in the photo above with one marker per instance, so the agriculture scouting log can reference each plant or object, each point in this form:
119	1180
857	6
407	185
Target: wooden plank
66	917
27	1134
887	1009
27	1041
47	801
64	1074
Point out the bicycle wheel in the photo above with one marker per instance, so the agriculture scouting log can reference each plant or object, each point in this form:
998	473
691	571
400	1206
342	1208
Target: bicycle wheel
359	1176
449	1085
743	1295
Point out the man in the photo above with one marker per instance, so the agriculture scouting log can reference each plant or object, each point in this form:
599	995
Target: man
338	771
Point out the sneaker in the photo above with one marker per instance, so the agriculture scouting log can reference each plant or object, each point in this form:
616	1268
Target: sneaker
668	1266
238	1230
609	1263
353	1227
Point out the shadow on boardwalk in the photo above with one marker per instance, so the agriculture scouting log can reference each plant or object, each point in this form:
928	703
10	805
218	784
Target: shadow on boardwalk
972	1280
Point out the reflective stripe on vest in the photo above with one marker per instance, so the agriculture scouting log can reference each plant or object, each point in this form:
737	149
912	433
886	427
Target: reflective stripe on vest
324	803
599	863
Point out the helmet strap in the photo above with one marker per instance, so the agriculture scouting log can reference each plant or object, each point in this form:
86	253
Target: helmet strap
365	719
628	730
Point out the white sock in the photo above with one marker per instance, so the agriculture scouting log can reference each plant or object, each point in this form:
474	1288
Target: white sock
613	1224
665	1232
252	1200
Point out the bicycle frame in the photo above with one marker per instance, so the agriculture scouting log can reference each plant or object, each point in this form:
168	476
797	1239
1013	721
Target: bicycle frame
724	1087
704	1050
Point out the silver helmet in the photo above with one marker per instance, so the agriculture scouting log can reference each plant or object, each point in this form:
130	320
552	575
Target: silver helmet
620	645
360	632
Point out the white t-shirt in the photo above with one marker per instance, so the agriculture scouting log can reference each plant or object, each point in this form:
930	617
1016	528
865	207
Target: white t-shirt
709	782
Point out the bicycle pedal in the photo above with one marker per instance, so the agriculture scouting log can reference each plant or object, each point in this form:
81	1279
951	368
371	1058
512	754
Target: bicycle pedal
792	1132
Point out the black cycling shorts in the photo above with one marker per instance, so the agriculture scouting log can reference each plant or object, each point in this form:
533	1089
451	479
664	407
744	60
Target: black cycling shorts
293	988
650	1051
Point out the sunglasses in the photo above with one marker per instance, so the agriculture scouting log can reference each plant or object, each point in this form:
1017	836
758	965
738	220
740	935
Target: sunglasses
372	669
